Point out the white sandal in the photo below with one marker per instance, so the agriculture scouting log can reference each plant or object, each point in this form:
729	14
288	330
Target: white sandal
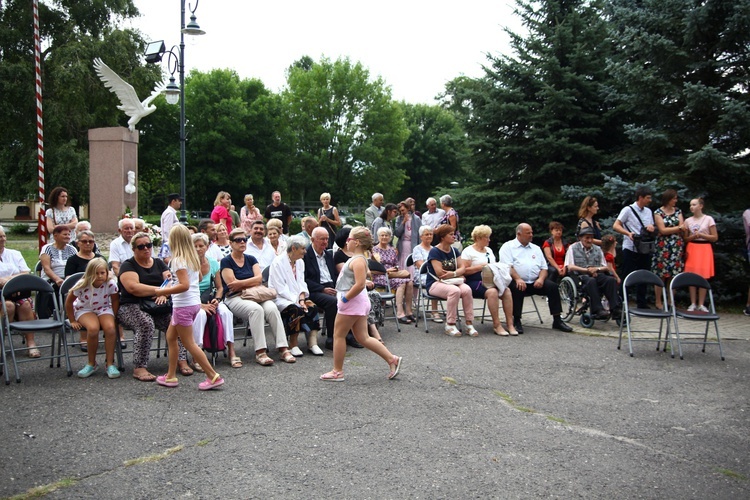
452	331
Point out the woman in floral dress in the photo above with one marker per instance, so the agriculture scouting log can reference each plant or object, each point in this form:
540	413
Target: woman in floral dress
668	261
400	279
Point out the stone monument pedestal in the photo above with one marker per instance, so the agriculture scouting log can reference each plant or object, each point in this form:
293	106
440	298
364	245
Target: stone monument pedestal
113	152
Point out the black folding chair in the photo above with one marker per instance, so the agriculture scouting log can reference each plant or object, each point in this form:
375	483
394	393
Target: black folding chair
632	280
685	280
425	299
24	286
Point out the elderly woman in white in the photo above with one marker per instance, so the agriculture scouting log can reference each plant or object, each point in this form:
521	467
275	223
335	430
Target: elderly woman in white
287	277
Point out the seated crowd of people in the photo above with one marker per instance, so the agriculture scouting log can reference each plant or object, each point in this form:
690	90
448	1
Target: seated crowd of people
253	273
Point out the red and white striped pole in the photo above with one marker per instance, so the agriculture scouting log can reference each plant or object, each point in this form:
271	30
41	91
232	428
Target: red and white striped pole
42	226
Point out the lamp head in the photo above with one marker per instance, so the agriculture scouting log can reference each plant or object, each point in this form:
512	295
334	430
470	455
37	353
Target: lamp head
154	51
172	92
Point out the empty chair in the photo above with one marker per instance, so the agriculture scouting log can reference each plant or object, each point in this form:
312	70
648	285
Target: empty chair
23	286
685	280
643	277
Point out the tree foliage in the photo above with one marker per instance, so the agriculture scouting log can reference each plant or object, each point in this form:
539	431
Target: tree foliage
73	33
681	77
539	118
349	134
436	151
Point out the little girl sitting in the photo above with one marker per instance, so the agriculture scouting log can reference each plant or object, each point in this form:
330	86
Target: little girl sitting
610	252
91	305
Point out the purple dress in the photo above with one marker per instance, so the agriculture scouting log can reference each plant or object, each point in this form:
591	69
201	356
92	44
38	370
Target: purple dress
388	258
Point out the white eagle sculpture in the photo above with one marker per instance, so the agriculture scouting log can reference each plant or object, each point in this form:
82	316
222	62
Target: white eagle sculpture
130	104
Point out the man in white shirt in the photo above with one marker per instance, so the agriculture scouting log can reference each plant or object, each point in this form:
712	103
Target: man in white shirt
120	249
373	211
586	261
629	223
528	270
434	215
208	227
258	245
169	216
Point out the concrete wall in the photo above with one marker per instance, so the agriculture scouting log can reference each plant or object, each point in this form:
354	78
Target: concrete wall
113	152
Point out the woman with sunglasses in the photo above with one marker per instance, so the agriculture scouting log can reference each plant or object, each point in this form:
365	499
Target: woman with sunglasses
238	272
140	277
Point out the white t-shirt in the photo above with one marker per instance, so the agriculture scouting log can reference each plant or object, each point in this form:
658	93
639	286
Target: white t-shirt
192	296
12	263
472	257
630	222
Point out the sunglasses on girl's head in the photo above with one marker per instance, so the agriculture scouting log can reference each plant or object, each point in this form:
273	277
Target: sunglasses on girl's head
144	246
240	240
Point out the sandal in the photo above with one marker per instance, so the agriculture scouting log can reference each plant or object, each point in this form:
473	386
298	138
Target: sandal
404	320
197	367
34	353
185	370
263	359
395	365
144	377
288	357
333	376
436	318
236	362
167	382
211	384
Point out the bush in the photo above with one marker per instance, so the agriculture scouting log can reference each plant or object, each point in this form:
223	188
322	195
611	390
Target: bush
19	229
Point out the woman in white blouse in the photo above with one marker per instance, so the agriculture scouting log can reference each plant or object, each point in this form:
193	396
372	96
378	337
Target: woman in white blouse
475	258
287	277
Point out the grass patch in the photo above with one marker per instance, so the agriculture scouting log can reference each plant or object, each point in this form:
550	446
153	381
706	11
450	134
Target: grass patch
203	442
153	458
513	404
40	491
557	419
450	380
731	473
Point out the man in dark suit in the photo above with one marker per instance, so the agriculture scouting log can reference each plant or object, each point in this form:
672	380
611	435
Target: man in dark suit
320	276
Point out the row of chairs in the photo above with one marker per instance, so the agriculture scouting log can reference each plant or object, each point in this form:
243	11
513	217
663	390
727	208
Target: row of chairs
669	315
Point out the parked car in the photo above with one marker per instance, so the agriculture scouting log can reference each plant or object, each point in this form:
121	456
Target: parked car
299	214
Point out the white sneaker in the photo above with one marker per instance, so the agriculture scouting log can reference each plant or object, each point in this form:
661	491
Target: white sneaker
296	352
317	351
452	331
703	308
691	308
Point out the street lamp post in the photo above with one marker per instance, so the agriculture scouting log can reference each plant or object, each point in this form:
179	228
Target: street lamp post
173	93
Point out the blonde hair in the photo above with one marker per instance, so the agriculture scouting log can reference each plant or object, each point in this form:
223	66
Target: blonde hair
219	197
325	196
275	224
481	231
181	246
89	276
362	234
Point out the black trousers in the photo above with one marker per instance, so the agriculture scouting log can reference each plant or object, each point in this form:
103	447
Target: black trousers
549	290
632	261
327	304
601	284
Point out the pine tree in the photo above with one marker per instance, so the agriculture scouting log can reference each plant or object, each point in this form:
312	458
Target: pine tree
681	77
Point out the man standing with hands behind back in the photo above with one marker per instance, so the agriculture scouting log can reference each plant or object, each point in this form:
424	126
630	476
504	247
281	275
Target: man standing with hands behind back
279	210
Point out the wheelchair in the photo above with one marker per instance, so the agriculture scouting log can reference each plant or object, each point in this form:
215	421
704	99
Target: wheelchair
576	302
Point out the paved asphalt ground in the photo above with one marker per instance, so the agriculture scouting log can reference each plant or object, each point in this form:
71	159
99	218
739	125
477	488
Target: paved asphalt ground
543	414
